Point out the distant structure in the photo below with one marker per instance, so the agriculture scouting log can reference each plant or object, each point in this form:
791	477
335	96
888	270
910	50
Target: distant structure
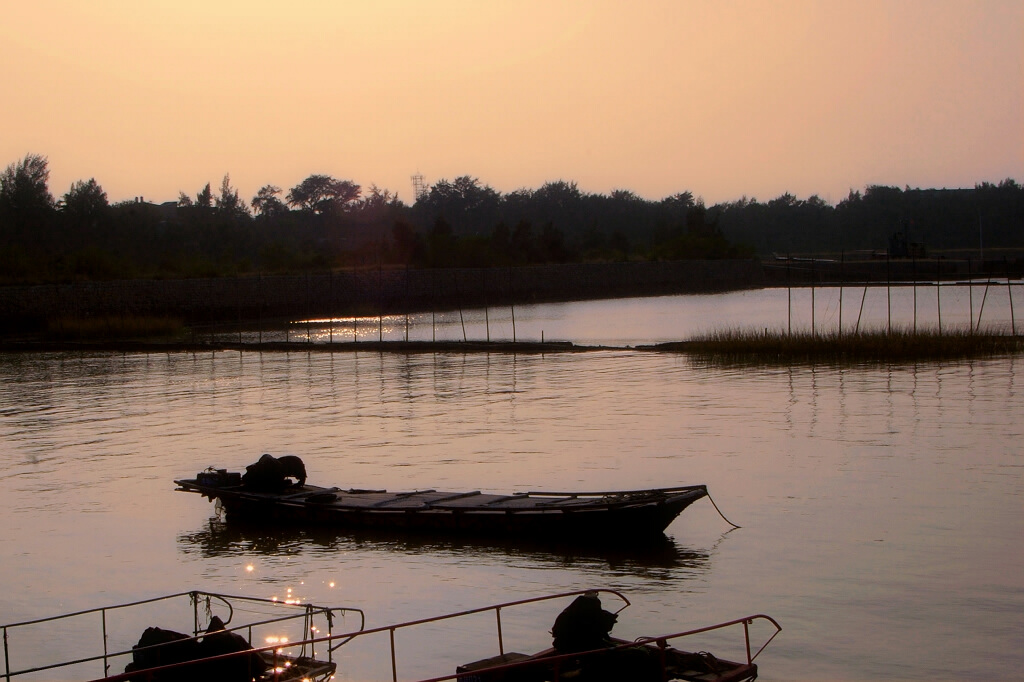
419	186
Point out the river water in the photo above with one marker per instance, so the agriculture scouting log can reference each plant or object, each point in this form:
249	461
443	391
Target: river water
881	506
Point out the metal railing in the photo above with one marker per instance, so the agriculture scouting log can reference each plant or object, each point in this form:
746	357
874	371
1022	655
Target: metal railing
306	612
550	658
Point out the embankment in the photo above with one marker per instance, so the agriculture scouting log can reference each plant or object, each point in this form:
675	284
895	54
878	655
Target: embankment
364	292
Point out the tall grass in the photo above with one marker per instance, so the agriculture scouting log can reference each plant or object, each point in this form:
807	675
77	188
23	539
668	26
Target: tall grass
115	328
875	345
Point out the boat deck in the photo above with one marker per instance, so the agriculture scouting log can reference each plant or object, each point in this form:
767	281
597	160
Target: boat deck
425	500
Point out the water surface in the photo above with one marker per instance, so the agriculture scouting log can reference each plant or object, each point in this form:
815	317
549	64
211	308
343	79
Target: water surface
881	506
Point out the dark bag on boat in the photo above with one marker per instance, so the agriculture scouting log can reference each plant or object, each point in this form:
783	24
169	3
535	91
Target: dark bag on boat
583	626
218	641
266	476
159	647
269	474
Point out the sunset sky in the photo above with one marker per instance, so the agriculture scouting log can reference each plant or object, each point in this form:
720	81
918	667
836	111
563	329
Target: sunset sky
723	99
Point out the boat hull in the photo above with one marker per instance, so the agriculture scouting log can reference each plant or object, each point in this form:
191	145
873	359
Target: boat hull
623	515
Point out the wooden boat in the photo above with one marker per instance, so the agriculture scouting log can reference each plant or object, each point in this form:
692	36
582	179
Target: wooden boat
623	514
656	658
223	650
646	659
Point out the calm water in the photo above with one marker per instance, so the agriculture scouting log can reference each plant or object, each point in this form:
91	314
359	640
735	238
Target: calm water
881	506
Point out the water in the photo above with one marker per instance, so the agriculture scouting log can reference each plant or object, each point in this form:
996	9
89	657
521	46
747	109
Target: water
881	506
636	321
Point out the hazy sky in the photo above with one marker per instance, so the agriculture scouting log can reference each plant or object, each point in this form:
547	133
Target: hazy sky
722	98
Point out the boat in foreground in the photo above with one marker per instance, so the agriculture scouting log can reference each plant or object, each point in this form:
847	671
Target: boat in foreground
275	643
582	650
622	514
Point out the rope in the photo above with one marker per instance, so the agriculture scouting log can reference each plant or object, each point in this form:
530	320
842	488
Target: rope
721	514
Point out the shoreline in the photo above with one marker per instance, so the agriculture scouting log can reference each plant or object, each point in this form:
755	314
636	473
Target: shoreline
738	348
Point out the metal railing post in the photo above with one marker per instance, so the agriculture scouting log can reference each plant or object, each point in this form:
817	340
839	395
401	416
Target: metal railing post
330	637
7	661
394	665
746	638
501	642
195	612
106	664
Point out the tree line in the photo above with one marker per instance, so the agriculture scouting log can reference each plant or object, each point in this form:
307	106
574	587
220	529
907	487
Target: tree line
325	222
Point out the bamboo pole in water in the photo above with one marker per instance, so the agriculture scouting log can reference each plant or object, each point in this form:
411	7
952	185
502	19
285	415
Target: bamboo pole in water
814	274
1009	294
938	290
970	293
914	275
856	329
511	298
487	316
983	299
789	298
888	294
458	296
842	282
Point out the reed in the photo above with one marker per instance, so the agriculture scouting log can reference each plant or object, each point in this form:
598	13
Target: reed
874	345
115	327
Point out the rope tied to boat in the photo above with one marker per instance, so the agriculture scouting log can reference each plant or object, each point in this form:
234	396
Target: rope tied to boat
720	512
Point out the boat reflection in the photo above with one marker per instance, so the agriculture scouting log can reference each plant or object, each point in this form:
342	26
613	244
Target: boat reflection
660	560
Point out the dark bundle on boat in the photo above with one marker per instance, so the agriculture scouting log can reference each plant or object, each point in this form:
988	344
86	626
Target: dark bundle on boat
270	474
585	626
158	647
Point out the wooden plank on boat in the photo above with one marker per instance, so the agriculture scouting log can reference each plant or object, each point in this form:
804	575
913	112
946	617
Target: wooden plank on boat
401	497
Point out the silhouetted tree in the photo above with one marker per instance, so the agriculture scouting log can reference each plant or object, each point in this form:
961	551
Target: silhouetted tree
25	199
205	197
85	202
266	203
228	203
322	194
465	204
408	243
441	244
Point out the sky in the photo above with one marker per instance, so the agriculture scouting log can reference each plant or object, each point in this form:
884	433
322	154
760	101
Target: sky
724	99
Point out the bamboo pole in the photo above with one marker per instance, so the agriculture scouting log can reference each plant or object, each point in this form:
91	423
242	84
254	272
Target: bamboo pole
842	282
970	293
888	294
814	274
856	329
511	299
789	297
914	275
981	310
1009	294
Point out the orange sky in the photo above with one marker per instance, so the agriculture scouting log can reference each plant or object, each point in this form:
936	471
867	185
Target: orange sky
723	99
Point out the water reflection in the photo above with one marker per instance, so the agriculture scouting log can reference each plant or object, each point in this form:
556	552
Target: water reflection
661	560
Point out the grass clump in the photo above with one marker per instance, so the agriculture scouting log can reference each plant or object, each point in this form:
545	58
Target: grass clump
115	328
877	345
